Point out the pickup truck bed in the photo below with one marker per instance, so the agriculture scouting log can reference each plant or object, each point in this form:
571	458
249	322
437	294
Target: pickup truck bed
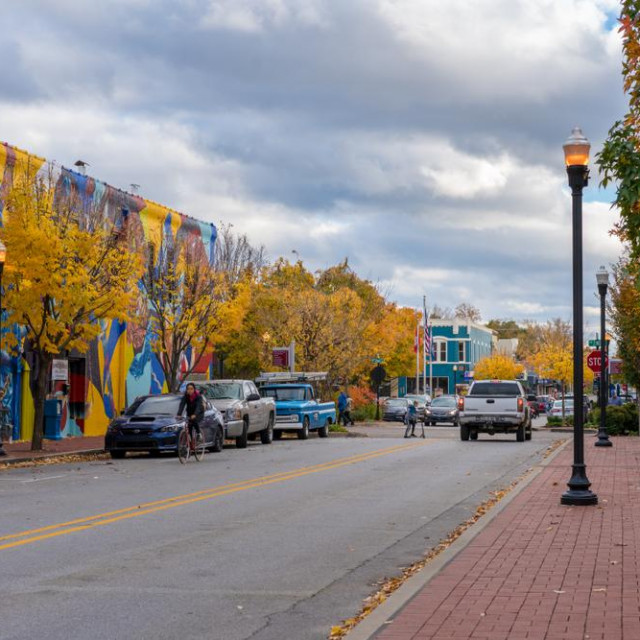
495	406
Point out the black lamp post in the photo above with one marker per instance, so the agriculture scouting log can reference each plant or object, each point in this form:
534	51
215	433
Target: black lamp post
602	278
3	255
576	154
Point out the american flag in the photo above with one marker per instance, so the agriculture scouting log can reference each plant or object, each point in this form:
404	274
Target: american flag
427	333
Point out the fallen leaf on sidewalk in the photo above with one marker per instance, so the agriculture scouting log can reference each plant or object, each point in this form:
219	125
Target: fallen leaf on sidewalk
600	589
388	586
558	591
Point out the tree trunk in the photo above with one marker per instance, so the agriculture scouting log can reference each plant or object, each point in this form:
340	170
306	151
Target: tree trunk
44	363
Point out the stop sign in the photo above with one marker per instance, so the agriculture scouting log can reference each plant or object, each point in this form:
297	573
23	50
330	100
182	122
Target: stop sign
594	361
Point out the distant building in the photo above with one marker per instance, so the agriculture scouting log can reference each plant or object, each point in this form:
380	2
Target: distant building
507	347
457	346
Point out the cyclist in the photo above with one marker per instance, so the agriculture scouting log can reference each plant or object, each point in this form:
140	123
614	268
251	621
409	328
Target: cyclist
194	405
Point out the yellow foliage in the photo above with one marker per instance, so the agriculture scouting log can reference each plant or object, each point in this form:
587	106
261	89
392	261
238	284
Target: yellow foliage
64	271
497	367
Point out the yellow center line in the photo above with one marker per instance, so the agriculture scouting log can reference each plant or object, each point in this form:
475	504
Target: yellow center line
82	524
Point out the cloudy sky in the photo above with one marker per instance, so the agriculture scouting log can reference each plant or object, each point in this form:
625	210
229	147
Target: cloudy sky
419	138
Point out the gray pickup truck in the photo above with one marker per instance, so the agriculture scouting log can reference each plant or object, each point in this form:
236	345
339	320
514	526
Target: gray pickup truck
494	406
246	414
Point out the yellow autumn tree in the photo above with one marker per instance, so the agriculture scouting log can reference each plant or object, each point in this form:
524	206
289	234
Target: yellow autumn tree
192	306
67	268
497	367
555	361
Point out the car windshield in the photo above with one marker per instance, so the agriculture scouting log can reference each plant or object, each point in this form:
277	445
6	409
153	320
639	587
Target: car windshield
497	388
156	406
443	402
396	402
420	399
558	404
223	390
283	393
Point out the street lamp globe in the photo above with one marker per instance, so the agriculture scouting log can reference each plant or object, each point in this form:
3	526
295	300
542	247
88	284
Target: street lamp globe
576	149
602	278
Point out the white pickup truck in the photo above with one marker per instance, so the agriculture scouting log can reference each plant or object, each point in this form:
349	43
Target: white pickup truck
495	406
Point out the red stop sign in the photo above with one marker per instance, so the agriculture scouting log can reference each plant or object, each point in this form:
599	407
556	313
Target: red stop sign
594	361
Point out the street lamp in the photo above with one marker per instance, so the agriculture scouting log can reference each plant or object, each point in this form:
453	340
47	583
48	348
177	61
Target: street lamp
602	278
3	256
456	368
576	155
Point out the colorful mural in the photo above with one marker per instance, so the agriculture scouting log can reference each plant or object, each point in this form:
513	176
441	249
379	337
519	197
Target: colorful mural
120	365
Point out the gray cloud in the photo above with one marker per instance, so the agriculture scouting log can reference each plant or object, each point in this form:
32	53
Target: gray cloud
422	139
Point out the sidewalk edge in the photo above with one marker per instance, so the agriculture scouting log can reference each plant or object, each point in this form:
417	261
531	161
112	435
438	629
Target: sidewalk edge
60	454
370	625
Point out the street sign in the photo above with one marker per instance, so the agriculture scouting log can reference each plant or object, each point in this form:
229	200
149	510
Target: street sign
378	375
280	356
594	361
594	343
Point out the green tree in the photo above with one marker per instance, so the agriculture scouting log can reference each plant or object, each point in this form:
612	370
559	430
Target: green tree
619	159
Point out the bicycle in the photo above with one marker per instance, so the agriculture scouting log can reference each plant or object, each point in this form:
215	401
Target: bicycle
188	444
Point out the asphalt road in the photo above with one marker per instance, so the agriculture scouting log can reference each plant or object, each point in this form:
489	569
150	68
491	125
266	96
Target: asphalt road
273	542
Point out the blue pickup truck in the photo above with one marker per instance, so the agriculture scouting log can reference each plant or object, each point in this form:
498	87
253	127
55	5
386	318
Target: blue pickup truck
297	410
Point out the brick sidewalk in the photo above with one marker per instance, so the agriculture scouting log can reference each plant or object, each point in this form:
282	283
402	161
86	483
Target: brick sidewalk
541	570
22	450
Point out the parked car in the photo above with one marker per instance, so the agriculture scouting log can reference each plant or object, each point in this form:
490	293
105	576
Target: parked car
556	409
151	424
298	411
424	400
246	414
442	409
395	409
544	403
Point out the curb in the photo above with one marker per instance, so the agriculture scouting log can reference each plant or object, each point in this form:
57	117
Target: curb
81	452
371	625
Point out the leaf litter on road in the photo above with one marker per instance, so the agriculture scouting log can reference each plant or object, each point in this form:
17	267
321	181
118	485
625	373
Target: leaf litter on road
388	585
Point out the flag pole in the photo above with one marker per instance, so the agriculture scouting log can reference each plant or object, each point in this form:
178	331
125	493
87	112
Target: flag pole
416	346
424	344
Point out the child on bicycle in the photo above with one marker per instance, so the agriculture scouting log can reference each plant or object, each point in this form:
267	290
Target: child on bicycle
194	404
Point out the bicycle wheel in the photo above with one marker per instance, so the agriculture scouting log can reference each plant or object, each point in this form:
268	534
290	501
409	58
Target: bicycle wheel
198	451
183	446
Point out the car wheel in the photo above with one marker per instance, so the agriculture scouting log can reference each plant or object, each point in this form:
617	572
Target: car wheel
118	455
277	434
520	433
464	432
303	433
266	435
323	432
241	441
218	440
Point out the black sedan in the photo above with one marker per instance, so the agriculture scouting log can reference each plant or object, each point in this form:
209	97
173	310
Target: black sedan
395	409
151	424
442	409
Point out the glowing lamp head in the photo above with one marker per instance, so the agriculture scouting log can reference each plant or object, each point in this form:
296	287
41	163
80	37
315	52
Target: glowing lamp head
576	149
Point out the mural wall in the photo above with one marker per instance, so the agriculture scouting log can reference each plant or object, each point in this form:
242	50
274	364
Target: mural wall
120	364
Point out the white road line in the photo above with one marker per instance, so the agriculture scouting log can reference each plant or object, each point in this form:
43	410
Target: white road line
46	478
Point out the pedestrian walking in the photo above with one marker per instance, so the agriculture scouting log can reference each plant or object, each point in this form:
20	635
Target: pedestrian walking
410	418
346	414
342	405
